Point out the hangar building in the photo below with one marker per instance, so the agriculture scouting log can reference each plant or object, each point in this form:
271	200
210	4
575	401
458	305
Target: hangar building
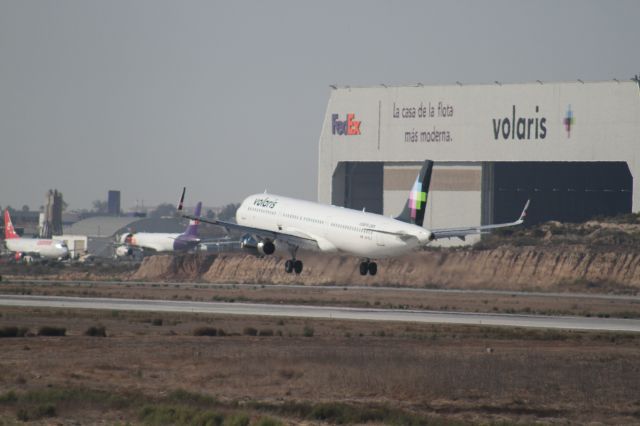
573	148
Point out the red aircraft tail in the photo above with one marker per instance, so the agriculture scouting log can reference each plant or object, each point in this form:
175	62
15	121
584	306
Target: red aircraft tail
9	230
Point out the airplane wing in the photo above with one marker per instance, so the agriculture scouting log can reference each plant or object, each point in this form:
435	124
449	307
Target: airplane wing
402	235
293	236
473	230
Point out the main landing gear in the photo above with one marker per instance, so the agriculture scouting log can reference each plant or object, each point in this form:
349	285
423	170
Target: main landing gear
368	267
293	265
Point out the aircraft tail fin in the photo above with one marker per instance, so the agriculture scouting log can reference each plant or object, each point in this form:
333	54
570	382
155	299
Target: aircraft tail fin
9	230
192	229
416	204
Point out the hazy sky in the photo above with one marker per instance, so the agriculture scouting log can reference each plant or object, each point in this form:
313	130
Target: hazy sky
228	98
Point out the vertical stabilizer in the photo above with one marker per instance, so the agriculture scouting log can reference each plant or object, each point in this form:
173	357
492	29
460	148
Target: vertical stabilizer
416	204
9	230
192	229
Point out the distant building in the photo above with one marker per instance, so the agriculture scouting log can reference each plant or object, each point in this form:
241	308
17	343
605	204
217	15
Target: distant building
572	148
78	244
51	221
113	203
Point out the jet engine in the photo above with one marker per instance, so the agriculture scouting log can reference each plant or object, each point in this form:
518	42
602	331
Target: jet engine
126	238
257	247
23	257
122	251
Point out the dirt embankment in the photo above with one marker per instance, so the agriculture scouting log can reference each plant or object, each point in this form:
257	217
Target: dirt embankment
577	267
169	267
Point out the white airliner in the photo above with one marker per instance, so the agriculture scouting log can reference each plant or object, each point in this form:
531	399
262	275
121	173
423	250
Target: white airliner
29	248
268	220
160	241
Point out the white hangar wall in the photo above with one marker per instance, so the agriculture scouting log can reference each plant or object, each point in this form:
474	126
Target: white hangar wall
482	136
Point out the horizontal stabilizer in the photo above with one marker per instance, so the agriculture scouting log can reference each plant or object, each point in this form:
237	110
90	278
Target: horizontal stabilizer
475	230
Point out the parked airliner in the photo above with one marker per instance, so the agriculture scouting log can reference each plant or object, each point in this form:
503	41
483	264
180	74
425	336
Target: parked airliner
161	242
268	220
29	248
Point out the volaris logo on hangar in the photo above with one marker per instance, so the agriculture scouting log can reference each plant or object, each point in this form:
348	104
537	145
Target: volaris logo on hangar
521	126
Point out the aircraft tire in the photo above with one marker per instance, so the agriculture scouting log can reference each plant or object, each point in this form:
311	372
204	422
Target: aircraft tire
288	266
297	266
364	268
373	268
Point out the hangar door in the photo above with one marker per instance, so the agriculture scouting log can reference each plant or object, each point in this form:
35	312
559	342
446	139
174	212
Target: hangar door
358	185
563	191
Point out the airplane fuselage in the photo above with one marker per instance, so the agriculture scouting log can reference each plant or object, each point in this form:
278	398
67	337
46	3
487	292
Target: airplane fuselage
335	229
38	246
160	242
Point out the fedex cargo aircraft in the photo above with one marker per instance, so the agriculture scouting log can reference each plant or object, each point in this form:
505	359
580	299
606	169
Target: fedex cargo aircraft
161	242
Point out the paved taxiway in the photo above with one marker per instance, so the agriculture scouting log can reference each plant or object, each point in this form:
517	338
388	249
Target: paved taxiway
555	295
325	312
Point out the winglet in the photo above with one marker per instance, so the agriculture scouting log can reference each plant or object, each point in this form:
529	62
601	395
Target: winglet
524	212
184	189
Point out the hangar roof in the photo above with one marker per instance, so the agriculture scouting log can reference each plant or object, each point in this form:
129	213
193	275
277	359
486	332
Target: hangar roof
470	84
99	226
107	226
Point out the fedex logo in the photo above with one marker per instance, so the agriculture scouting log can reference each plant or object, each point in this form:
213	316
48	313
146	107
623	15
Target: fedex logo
347	127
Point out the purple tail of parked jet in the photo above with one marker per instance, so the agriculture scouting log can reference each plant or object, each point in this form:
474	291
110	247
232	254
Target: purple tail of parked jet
189	239
192	229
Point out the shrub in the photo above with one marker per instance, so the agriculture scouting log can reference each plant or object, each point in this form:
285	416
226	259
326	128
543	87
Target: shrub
205	331
8	397
157	322
187	397
308	331
179	415
27	414
22	415
329	411
11	331
239	419
268	421
250	331
52	331
46	410
288	373
96	331
266	332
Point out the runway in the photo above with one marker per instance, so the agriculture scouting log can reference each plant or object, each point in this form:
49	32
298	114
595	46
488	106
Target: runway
326	312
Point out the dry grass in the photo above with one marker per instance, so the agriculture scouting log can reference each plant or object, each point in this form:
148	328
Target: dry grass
447	373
